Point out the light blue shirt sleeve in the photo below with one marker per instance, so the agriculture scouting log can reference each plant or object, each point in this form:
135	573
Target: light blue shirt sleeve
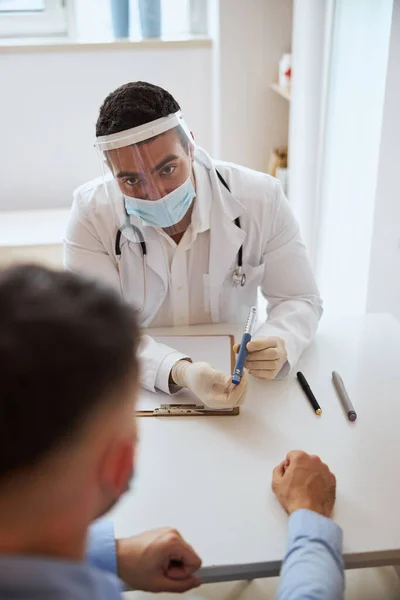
313	566
101	548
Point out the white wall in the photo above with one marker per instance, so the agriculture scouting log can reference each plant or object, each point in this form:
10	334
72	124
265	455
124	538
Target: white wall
384	275
252	118
353	130
49	103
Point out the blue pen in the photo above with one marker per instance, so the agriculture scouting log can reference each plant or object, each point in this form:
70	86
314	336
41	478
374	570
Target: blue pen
241	357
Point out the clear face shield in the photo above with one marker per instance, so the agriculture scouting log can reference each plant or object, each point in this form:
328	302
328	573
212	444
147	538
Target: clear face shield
148	176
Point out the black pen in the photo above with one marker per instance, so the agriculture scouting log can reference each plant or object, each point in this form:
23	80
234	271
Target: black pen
308	392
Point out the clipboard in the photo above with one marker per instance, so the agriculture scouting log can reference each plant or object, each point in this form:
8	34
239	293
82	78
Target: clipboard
185	404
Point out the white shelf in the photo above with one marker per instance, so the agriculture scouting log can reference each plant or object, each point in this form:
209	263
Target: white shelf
284	92
63	44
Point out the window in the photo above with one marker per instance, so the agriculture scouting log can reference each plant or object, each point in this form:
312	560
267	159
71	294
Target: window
21	5
88	20
93	19
27	18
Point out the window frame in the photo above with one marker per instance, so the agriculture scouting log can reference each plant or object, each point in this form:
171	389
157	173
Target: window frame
53	20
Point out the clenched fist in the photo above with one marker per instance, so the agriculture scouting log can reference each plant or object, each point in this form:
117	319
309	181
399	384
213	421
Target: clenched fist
158	561
304	481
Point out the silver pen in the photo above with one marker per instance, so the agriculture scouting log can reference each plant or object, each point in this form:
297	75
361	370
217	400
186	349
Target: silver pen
344	397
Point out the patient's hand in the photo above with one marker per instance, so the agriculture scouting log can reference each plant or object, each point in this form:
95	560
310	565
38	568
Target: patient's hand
304	481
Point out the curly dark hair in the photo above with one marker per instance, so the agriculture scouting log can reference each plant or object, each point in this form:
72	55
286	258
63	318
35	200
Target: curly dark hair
134	104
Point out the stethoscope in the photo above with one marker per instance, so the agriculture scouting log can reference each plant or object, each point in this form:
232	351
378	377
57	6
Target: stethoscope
238	277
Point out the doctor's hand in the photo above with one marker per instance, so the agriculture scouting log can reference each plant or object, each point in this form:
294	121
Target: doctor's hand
214	388
304	481
266	357
158	561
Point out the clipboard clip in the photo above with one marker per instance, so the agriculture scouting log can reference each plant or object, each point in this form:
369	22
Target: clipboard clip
179	409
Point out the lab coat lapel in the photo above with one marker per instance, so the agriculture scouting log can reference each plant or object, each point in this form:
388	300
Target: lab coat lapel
155	257
225	240
132	276
156	260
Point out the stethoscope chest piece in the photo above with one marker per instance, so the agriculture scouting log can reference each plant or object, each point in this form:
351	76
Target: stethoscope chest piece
239	278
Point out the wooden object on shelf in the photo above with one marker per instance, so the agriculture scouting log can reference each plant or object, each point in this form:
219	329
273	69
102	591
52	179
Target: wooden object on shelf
278	159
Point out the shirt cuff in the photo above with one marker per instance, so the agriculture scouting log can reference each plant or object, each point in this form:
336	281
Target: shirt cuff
284	372
100	548
164	370
308	524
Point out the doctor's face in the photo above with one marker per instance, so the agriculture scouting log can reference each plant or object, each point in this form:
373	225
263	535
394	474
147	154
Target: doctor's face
152	169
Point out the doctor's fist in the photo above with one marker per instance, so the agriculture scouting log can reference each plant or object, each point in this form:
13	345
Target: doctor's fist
266	357
214	388
158	561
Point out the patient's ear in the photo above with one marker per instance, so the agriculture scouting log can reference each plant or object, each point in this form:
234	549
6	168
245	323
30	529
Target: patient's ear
116	468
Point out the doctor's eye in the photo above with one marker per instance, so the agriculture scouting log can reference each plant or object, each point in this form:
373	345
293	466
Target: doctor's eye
131	181
168	170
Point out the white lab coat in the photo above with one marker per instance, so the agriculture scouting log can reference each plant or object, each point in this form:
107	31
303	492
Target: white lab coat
274	258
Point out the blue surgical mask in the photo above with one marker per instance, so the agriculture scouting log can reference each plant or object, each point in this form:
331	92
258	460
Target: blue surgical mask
167	211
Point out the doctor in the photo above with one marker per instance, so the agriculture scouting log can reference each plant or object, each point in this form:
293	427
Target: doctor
189	240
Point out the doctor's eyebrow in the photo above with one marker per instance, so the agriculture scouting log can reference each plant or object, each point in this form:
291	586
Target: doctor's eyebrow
164	162
122	174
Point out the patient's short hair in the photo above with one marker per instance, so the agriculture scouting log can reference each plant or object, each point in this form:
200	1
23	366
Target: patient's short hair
66	345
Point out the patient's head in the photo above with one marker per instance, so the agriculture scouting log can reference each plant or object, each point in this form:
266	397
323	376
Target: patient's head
68	379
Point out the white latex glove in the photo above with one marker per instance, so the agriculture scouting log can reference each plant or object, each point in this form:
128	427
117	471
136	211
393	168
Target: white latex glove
214	388
266	357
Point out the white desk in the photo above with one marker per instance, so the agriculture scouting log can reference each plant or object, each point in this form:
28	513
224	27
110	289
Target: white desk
210	477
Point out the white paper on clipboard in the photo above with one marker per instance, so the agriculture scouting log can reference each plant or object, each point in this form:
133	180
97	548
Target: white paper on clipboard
212	349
